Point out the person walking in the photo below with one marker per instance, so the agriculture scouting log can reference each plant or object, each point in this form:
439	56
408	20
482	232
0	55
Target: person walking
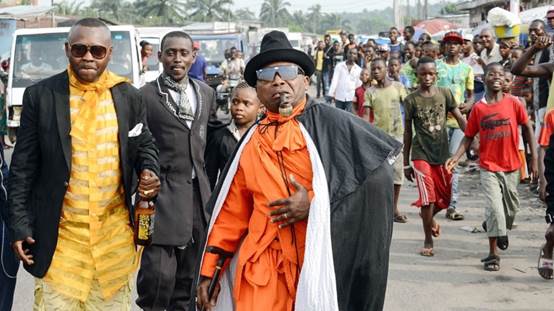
178	110
346	78
280	229
83	136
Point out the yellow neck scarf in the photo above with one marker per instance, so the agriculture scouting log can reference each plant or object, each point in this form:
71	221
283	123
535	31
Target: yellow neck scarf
85	120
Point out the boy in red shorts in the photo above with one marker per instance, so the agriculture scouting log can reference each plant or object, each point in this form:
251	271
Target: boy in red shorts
426	109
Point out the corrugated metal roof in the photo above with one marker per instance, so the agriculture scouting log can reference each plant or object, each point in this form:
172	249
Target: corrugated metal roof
24	10
468	5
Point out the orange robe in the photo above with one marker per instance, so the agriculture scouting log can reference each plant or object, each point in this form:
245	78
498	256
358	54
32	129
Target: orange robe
269	259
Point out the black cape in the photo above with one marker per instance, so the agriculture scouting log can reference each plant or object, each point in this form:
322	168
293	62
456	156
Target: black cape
357	160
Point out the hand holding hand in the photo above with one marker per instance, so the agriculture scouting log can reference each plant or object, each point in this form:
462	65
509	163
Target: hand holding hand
24	254
451	164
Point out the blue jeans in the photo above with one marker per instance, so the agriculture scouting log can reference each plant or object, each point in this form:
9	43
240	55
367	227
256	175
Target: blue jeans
8	269
346	106
326	75
455	137
479	90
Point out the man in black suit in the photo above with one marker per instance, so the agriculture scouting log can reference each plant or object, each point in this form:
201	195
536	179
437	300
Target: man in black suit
82	136
178	111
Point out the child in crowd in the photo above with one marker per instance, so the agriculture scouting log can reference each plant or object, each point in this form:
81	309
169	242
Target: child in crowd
426	110
365	77
384	101
395	74
508	82
496	118
245	108
430	50
505	48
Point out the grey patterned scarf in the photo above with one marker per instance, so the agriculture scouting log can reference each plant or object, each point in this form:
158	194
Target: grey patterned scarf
184	110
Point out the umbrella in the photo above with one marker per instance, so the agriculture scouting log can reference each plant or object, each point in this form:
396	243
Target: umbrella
436	25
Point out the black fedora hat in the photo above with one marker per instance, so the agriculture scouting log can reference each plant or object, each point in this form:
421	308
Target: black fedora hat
277	48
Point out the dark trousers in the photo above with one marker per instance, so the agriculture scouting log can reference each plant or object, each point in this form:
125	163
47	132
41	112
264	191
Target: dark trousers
346	105
8	270
167	276
320	85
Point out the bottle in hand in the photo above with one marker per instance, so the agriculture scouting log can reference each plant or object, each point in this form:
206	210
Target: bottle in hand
144	221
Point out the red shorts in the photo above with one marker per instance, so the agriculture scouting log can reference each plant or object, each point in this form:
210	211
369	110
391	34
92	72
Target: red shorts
434	184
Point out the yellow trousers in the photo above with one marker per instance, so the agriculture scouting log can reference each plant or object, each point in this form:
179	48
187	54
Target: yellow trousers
48	299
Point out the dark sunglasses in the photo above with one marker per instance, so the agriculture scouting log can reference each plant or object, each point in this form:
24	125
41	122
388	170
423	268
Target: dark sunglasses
285	72
80	50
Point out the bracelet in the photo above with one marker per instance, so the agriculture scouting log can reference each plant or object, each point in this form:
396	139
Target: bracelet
407	167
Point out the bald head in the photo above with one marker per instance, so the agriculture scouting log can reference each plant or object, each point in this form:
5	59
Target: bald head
488	38
487	31
89	49
93	26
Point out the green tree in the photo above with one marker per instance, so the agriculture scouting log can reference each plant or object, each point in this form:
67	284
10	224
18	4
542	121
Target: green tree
210	10
297	21
67	8
314	16
162	12
108	9
274	13
450	8
245	14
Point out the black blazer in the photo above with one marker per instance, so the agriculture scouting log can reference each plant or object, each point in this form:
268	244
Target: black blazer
41	162
221	144
181	149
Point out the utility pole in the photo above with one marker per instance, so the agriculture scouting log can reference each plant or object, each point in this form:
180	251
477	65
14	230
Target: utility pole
396	10
52	9
425	11
419	15
514	6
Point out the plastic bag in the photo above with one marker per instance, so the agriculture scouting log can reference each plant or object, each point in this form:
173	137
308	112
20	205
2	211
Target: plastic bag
501	17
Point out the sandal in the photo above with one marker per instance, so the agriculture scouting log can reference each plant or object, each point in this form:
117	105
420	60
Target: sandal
400	219
545	266
502	242
491	263
453	215
427	252
436	230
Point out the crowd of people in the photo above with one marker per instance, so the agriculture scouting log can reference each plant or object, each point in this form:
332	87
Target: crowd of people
240	207
475	98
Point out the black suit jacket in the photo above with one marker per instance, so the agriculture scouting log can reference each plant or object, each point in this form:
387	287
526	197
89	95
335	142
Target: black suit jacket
41	162
181	149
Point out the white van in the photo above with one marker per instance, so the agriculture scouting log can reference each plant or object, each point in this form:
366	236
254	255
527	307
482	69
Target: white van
295	39
154	36
38	53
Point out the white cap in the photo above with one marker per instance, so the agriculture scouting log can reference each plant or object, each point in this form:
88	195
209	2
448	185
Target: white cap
468	37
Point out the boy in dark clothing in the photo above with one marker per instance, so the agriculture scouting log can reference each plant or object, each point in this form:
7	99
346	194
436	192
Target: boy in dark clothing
426	109
245	107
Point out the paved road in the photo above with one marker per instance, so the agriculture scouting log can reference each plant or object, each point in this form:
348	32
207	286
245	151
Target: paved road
454	278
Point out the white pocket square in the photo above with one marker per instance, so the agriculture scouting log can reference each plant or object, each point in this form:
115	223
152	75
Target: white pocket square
136	131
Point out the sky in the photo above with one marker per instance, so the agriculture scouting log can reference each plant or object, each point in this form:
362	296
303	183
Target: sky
327	6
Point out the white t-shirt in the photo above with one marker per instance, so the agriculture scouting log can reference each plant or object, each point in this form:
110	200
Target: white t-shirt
470	60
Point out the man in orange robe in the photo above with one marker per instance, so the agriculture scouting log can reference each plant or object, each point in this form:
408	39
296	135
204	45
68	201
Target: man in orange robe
275	181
